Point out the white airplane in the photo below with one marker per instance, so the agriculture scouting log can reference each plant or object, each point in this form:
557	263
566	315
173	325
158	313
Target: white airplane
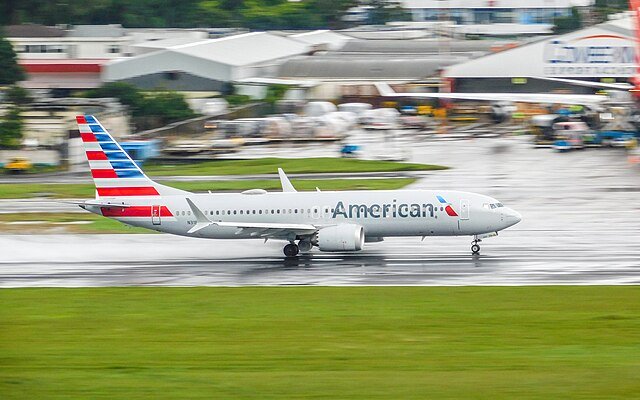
331	221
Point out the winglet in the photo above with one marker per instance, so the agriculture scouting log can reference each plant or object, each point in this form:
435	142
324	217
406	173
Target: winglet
202	220
284	181
384	89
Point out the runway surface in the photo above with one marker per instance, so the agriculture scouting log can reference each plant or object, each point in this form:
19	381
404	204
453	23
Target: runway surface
513	258
581	225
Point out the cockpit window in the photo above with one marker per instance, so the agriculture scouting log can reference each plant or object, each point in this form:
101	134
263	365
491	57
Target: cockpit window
493	206
499	205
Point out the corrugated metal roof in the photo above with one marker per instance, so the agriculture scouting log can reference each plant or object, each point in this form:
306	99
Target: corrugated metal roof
111	30
246	49
418	46
364	67
32	31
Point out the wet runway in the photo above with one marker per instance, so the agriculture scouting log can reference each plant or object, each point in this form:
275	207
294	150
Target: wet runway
516	257
581	225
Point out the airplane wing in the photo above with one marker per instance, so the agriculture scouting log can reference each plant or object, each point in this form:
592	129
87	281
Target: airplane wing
545	98
255	229
596	85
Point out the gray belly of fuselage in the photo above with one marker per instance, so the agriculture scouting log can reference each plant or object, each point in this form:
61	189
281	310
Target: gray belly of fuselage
381	213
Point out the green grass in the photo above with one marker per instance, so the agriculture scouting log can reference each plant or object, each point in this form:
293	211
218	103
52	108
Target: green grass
59	223
290	165
347	343
62	191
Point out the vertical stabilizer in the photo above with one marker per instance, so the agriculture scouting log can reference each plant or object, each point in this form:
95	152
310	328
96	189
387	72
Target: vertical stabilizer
114	173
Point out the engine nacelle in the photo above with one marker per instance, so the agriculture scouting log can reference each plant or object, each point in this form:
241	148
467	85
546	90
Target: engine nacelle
345	237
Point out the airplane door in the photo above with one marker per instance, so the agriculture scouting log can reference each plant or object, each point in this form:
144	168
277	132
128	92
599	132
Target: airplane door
155	215
464	209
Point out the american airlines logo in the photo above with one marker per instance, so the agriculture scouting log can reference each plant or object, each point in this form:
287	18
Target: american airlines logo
391	210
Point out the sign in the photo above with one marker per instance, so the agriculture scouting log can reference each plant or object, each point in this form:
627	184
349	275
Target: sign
594	56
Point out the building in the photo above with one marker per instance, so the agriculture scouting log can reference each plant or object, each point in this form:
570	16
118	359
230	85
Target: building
488	11
352	69
206	65
603	52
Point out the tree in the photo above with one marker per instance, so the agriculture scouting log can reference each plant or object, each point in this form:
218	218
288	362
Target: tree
384	11
18	95
167	106
10	71
11	129
568	23
126	93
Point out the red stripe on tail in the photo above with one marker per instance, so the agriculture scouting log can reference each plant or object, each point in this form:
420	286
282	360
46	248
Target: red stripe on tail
103	173
128	191
88	137
80	119
96	155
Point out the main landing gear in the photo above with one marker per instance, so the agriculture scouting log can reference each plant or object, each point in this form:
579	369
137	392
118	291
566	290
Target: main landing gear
475	247
291	250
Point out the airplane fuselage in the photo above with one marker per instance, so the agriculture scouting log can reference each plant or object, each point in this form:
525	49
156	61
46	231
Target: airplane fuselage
380	213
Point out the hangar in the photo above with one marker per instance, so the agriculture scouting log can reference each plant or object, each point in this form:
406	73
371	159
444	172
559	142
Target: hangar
603	53
206	65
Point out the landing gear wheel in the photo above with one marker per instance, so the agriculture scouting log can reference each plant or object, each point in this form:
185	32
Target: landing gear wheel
475	249
291	250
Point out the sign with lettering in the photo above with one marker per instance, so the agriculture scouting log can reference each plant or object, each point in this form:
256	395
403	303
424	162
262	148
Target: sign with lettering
593	55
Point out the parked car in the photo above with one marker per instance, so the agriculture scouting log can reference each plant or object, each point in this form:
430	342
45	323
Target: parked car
18	165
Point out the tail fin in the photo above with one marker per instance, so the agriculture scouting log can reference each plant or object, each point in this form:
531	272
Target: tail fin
114	173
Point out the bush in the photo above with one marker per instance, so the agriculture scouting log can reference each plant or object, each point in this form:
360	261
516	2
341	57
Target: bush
164	107
11	129
18	95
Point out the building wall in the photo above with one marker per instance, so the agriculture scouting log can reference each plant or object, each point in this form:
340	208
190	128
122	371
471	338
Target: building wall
500	85
588	53
69	47
166	61
179	81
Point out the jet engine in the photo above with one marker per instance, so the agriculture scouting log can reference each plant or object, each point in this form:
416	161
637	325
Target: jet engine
345	237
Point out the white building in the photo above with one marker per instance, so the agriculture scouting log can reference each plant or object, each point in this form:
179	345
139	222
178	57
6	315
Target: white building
206	65
601	52
37	42
488	11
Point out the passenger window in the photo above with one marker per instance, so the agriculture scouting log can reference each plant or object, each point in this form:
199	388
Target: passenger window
188	212
235	212
259	211
295	210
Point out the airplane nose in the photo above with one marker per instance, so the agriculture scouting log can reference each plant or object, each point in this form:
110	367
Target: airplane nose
512	216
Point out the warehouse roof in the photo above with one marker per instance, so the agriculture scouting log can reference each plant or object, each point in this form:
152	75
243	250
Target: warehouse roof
364	67
245	49
431	46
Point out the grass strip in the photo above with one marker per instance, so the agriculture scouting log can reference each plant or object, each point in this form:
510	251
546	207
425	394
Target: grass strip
290	165
319	342
64	190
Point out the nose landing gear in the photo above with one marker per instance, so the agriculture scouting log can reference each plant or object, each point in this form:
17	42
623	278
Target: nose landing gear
475	247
